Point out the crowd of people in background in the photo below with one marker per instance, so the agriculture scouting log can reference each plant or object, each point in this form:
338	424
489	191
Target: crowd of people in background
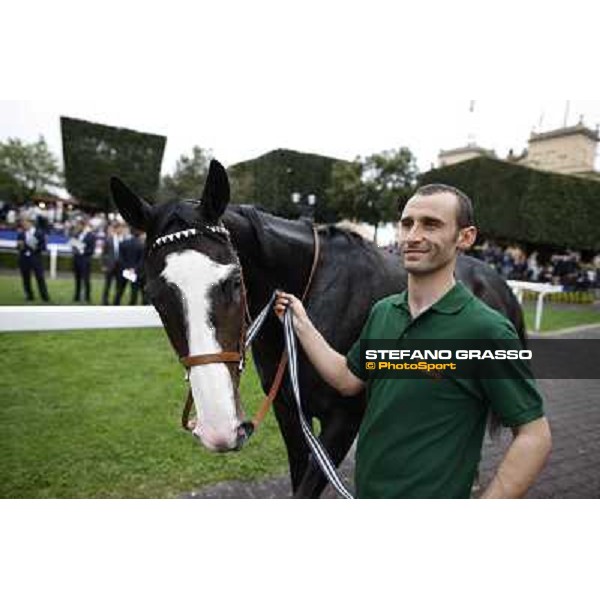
119	249
121	254
567	268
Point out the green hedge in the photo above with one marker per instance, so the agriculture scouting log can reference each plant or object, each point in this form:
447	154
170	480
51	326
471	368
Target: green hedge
92	153
270	180
524	205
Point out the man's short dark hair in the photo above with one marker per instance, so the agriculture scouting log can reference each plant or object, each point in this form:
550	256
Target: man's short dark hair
464	215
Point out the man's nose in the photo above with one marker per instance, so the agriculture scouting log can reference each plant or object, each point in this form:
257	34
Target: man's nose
414	234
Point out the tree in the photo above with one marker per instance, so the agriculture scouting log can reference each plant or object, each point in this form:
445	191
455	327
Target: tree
27	169
369	189
187	180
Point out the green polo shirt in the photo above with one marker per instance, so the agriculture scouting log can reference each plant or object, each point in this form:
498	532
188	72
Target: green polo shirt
422	437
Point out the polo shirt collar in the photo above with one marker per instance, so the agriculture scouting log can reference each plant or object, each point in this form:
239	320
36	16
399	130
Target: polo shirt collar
450	303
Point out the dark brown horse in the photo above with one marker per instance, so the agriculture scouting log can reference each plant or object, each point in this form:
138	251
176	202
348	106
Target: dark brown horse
196	254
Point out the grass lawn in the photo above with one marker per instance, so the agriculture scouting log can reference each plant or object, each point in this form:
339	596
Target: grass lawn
60	290
96	414
554	318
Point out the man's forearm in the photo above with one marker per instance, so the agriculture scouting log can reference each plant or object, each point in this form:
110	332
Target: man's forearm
523	462
330	364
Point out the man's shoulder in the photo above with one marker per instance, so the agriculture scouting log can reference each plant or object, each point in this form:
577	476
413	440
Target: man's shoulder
481	320
387	302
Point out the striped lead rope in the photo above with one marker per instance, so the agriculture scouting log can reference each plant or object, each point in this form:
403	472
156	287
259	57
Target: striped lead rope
318	451
258	322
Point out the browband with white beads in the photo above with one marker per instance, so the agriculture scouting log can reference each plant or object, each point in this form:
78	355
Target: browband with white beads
186	233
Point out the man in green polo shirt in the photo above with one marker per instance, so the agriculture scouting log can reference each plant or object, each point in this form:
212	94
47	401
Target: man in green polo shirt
422	437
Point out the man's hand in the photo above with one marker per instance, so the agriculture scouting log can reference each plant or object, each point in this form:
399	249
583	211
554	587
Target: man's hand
289	301
330	364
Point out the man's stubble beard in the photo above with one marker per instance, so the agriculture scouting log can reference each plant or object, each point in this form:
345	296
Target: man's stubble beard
429	268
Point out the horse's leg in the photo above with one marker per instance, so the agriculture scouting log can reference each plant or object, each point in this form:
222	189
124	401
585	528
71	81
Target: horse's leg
338	430
289	425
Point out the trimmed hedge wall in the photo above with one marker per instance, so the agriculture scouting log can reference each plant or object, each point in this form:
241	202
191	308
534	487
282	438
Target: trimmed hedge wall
524	205
269	181
92	153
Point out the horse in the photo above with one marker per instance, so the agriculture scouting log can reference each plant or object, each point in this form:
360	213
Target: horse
208	263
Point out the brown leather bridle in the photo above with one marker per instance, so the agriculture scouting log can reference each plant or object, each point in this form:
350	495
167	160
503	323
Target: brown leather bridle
238	356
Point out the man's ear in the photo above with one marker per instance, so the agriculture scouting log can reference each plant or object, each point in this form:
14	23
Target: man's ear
466	238
135	210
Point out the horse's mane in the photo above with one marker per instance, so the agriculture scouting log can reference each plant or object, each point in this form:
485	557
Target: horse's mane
260	219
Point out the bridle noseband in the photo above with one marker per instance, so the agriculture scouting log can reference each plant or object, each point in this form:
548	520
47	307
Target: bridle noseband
235	356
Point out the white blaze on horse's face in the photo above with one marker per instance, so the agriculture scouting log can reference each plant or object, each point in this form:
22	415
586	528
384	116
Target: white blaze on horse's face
195	274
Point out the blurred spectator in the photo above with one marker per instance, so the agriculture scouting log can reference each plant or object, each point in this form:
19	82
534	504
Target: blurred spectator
132	265
98	222
11	216
533	267
111	260
31	242
565	269
82	242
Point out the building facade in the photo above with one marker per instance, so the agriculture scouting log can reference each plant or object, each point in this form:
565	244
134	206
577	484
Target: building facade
457	155
569	150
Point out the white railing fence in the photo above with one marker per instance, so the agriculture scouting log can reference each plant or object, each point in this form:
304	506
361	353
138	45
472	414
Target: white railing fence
541	289
64	318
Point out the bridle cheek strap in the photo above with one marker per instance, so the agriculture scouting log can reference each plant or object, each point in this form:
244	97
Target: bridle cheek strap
196	361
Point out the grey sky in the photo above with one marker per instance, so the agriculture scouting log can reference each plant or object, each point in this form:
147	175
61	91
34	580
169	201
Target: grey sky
337	78
425	128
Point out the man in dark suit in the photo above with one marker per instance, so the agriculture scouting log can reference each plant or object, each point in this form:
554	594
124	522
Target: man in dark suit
31	242
83	243
132	266
110	259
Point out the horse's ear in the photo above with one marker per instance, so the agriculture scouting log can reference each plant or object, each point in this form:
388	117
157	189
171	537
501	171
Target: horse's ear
215	196
135	210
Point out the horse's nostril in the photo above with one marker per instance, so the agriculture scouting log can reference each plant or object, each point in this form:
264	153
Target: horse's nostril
244	431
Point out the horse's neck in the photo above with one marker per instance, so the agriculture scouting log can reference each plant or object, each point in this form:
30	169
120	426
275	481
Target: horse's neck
274	254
